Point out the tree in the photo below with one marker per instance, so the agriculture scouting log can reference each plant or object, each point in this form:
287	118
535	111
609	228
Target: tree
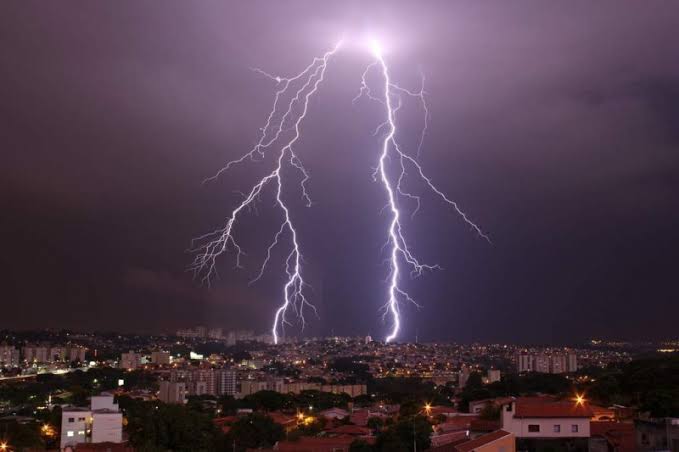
375	423
267	400
391	441
254	431
360	446
490	412
400	436
20	436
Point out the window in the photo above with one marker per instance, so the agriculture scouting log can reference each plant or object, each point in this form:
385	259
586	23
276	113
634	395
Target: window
81	419
574	428
557	429
69	433
533	428
71	419
81	432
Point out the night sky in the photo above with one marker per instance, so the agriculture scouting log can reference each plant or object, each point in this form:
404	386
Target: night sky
554	125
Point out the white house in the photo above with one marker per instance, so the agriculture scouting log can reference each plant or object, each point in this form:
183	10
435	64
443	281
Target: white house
546	418
102	422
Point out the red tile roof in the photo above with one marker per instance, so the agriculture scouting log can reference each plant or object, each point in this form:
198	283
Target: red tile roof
456	423
484	425
620	435
448	438
316	444
481	441
355	430
542	407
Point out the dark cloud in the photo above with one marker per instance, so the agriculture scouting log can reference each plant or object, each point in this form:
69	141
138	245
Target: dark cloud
554	126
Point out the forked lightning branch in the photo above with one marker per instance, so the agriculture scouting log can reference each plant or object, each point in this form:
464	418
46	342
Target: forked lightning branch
275	147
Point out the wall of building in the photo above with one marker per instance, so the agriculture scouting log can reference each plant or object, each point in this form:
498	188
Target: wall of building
520	426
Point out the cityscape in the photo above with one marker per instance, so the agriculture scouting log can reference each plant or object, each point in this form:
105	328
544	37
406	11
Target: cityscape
349	226
204	388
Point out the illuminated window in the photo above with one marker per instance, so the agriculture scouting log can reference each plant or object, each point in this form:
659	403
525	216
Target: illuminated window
574	428
557	429
69	433
533	428
81	432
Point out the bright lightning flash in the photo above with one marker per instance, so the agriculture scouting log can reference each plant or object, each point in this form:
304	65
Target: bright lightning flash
399	251
282	129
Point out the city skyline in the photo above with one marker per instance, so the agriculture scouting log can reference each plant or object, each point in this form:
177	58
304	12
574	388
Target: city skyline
562	148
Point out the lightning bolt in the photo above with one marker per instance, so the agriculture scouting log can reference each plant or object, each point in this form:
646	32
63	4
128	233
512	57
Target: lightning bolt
399	251
282	129
276	131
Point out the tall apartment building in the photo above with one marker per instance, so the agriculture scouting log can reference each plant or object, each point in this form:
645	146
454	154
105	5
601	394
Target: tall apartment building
161	358
542	363
172	392
9	356
556	363
130	360
572	362
36	353
102	422
40	354
215	382
215	333
559	364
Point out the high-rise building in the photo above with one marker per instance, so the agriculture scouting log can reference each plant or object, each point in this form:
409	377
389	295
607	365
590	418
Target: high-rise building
226	382
559	364
36	354
130	360
160	358
172	392
542	363
572	362
9	356
524	362
215	333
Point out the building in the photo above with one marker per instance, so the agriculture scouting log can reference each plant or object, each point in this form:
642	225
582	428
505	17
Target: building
493	376
226	382
542	363
214	382
75	424
36	354
215	333
101	423
463	376
559	364
9	356
161	358
77	354
130	360
572	362
524	363
534	420
317	444
107	420
172	392
556	363
612	436
497	441
657	434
